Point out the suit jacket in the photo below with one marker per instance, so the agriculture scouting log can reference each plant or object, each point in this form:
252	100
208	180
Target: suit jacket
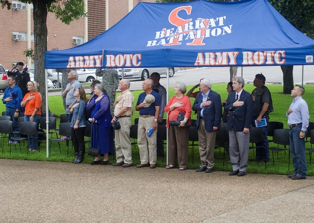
211	113
240	117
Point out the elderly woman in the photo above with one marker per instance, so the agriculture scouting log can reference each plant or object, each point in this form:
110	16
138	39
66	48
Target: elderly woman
92	87
32	103
102	132
178	134
78	124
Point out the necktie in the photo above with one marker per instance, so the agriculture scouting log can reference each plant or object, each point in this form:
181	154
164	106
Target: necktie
237	97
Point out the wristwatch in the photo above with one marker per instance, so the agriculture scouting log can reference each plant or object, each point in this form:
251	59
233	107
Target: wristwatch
155	120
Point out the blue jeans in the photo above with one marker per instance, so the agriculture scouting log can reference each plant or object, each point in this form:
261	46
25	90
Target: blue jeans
297	150
262	152
15	121
33	139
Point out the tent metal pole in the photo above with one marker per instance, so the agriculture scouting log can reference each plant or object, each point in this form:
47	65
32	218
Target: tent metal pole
47	116
302	74
242	72
167	113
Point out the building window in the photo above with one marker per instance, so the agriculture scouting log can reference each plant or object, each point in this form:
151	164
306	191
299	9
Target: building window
17	5
19	36
77	40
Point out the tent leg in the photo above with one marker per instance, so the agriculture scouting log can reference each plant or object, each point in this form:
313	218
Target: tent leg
167	113
47	116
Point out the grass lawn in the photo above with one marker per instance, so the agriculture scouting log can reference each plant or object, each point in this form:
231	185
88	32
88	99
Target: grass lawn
281	104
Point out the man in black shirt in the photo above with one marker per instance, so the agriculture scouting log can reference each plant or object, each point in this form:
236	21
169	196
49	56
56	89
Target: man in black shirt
262	107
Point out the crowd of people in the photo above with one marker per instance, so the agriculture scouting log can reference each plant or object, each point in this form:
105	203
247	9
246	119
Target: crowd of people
238	113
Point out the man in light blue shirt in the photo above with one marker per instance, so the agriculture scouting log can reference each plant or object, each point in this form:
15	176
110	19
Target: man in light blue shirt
298	121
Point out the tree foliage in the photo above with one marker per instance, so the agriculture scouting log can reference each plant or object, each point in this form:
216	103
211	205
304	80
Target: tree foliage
66	11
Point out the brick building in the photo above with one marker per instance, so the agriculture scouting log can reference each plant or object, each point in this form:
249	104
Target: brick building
14	35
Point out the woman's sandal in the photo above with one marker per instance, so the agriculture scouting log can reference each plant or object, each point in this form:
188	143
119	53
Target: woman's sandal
169	167
182	168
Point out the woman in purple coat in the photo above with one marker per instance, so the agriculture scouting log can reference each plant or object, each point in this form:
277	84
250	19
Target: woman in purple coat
102	132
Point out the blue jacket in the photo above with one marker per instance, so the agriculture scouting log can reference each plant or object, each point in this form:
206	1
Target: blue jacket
240	117
211	113
16	94
79	114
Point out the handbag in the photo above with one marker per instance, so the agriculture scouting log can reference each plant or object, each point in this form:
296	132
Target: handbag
116	124
93	151
179	119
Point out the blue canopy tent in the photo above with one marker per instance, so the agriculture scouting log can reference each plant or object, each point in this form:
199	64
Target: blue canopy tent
189	34
192	34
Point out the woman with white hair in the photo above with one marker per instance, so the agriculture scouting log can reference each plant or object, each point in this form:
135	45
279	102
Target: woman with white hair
32	103
179	106
102	131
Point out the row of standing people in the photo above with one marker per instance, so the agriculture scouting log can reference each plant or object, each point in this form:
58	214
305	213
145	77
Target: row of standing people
240	108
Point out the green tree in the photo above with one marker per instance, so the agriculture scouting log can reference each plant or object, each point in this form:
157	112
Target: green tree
300	14
65	10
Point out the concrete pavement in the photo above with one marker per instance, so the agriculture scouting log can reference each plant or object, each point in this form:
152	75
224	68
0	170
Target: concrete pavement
33	191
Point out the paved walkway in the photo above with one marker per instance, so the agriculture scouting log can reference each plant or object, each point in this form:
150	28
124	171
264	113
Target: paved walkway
33	191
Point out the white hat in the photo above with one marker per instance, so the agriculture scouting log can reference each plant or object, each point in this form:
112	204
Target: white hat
149	99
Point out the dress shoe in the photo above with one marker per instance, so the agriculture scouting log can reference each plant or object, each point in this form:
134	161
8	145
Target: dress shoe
95	162
201	169
241	173
142	165
291	175
152	166
298	177
127	165
234	172
209	170
104	162
118	164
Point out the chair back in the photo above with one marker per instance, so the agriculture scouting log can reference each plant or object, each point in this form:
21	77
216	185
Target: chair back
271	126
6	126
63	118
28	128
88	130
281	137
309	129
133	132
312	136
193	134
20	119
193	122
162	132
5	118
3	113
65	129
52	123
222	135
256	135
136	121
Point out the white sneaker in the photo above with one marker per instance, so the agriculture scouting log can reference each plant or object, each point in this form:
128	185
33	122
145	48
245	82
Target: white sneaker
14	142
10	142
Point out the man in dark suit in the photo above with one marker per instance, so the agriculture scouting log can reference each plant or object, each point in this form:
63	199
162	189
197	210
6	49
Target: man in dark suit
22	77
208	107
240	105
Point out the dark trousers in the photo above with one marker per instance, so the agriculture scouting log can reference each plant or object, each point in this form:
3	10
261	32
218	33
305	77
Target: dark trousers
262	151
15	123
77	136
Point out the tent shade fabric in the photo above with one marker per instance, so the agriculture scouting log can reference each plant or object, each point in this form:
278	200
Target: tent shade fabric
193	34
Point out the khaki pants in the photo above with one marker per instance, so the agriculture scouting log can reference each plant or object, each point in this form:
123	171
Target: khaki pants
206	145
147	154
178	145
123	142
